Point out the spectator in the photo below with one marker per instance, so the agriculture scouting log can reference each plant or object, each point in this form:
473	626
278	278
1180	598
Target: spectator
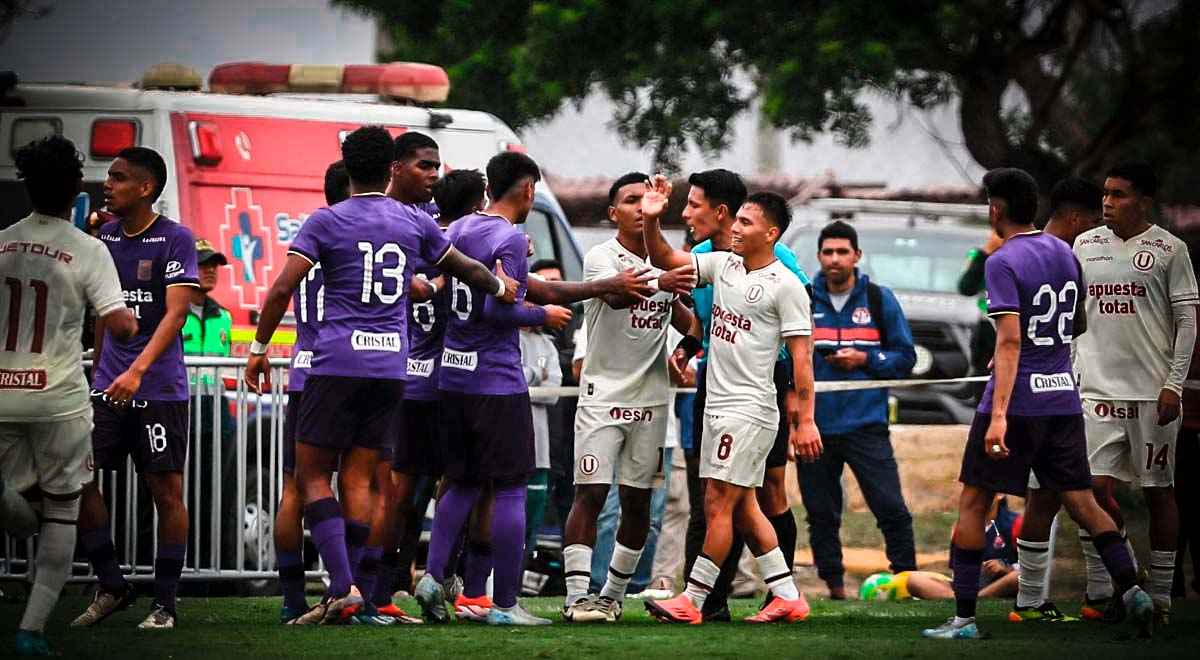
540	359
859	333
206	331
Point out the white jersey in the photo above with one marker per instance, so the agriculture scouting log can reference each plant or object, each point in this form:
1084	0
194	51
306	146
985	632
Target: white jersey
626	360
1131	287
49	271
752	313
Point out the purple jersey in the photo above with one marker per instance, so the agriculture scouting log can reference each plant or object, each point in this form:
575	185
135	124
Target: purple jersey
1036	276
308	304
482	349
161	256
363	245
426	327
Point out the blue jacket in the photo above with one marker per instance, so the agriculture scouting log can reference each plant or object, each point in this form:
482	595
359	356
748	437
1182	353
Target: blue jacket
702	297
842	412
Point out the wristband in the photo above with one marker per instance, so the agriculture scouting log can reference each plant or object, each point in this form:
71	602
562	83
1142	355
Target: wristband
500	290
258	348
690	345
432	285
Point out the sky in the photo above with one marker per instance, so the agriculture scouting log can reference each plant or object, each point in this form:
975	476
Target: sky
118	40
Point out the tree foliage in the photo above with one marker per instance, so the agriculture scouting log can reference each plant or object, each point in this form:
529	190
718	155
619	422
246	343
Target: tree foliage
1053	86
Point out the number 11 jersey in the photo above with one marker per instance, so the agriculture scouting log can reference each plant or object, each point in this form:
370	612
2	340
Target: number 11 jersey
1036	276
363	245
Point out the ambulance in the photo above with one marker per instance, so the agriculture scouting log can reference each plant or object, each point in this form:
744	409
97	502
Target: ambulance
246	155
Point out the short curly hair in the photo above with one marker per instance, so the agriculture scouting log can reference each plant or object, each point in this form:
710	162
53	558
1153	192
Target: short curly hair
367	153
51	168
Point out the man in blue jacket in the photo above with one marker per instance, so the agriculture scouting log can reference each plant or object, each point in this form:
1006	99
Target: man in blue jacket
859	333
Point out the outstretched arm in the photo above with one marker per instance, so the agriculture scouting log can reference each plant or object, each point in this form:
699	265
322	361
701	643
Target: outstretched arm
477	276
629	285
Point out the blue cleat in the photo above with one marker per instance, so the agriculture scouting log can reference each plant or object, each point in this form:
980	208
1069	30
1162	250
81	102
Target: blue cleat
950	631
1139	615
32	643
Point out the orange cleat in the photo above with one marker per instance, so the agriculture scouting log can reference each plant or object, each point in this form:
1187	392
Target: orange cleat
676	610
398	614
472	609
782	611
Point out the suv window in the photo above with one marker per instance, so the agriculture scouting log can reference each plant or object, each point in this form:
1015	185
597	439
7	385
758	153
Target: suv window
551	242
911	263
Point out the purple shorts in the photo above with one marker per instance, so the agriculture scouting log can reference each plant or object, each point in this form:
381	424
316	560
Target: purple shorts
417	453
339	411
487	436
1053	446
153	433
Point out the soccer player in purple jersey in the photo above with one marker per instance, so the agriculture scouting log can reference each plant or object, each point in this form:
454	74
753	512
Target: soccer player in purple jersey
308	304
1030	415
355	384
485	399
140	386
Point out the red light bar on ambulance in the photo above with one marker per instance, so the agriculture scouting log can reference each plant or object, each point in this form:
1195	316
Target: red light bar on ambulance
424	83
110	136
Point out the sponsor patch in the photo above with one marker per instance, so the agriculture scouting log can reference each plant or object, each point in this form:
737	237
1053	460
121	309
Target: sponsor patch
1143	260
460	360
23	379
303	360
1062	382
375	341
174	269
420	368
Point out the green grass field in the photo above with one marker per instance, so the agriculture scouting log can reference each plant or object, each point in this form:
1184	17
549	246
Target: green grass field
231	628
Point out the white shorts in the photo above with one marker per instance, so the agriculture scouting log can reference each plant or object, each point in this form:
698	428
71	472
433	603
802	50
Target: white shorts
621	445
1125	442
54	456
735	450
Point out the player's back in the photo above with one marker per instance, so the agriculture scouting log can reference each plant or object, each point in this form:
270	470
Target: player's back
1036	276
50	271
480	357
362	245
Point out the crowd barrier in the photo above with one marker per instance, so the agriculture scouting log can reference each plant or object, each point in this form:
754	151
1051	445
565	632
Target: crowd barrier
233	479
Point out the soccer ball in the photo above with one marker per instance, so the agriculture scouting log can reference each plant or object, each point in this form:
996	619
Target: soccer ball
879	586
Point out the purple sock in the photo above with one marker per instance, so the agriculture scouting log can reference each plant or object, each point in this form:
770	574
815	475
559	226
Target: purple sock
385	578
324	520
291	579
479	567
357	534
508	544
1111	546
168	566
967	565
368	568
448	521
102	555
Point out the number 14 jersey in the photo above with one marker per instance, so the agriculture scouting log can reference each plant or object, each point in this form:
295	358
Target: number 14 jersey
1035	275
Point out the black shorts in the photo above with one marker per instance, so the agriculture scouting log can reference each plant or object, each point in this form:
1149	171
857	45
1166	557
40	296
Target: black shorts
421	434
339	411
487	436
783	378
1053	446
289	431
153	433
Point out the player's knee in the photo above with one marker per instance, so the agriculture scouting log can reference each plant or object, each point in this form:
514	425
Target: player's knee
590	498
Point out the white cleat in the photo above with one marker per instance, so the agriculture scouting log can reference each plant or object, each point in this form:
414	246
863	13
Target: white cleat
159	619
584	610
516	615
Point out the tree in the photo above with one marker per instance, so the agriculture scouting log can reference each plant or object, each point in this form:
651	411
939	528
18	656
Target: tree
1052	86
11	10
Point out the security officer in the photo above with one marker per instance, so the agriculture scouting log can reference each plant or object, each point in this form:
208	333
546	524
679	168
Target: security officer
206	331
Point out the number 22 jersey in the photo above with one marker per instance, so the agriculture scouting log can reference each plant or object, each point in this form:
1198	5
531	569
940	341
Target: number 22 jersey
1035	275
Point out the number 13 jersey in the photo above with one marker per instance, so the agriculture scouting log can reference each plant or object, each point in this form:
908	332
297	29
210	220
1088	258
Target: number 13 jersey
1132	286
1035	275
363	245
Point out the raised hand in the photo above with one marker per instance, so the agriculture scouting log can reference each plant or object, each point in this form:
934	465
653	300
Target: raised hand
657	197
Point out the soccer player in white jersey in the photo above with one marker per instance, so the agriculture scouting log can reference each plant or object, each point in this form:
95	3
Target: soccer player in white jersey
52	271
1141	330
758	305
621	420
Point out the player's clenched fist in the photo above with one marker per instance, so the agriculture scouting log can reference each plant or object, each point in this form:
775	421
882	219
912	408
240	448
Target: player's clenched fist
557	317
806	442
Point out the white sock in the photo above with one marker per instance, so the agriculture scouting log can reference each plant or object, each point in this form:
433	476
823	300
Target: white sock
1099	584
56	549
1162	571
577	568
701	580
775	573
620	571
17	517
1033	558
959	621
1132	554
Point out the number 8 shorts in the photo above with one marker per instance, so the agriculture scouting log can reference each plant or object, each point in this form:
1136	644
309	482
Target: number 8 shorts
735	450
153	433
1125	442
621	444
